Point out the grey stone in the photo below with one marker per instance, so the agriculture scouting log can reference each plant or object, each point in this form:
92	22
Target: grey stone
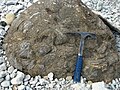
10	69
98	86
18	79
50	76
25	83
3	67
7	27
21	87
12	75
27	77
5	84
7	77
45	48
2	74
2	32
2	60
28	88
1	79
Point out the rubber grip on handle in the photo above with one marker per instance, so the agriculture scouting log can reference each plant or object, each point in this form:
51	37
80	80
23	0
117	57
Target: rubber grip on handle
78	69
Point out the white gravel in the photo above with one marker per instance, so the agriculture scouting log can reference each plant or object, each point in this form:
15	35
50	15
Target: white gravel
12	79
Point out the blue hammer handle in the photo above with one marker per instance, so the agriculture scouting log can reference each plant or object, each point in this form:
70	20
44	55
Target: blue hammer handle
78	69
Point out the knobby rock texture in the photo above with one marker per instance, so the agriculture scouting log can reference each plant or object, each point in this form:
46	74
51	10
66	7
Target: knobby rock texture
37	44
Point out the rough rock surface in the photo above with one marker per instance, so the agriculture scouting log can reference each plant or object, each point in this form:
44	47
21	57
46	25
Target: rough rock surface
36	43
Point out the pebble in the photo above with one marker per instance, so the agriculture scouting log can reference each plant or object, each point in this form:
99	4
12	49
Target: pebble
5	84
7	77
2	32
3	23
12	75
3	67
50	76
18	79
45	77
28	88
98	86
27	77
76	86
7	27
9	18
69	78
2	74
33	82
21	87
10	69
2	60
1	79
26	83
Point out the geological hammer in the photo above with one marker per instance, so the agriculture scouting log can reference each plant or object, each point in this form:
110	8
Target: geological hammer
79	61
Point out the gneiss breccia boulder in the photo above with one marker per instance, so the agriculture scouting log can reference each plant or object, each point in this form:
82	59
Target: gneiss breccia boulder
36	43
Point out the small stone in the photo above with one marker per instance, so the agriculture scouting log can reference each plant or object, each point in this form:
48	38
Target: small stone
28	88
5	84
56	80
27	77
2	32
76	86
7	64
29	4
21	87
38	87
33	82
9	18
98	86
11	2
3	23
7	27
7	77
26	83
2	74
50	76
12	75
90	82
69	78
1	79
51	85
32	86
117	80
62	82
42	82
113	82
18	79
39	77
58	86
99	5
31	79
2	60
10	69
45	77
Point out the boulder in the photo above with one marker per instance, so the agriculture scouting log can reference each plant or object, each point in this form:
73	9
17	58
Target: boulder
37	44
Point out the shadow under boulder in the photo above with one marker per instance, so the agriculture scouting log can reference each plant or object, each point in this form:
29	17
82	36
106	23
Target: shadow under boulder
36	43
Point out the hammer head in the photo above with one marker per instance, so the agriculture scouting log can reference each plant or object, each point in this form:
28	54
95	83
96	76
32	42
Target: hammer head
83	34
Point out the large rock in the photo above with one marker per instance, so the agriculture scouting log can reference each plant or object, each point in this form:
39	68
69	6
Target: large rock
36	43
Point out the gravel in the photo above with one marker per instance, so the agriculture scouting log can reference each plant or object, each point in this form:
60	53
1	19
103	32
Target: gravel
12	79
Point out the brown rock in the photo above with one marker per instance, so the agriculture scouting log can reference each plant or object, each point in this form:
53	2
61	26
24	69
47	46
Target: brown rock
36	43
